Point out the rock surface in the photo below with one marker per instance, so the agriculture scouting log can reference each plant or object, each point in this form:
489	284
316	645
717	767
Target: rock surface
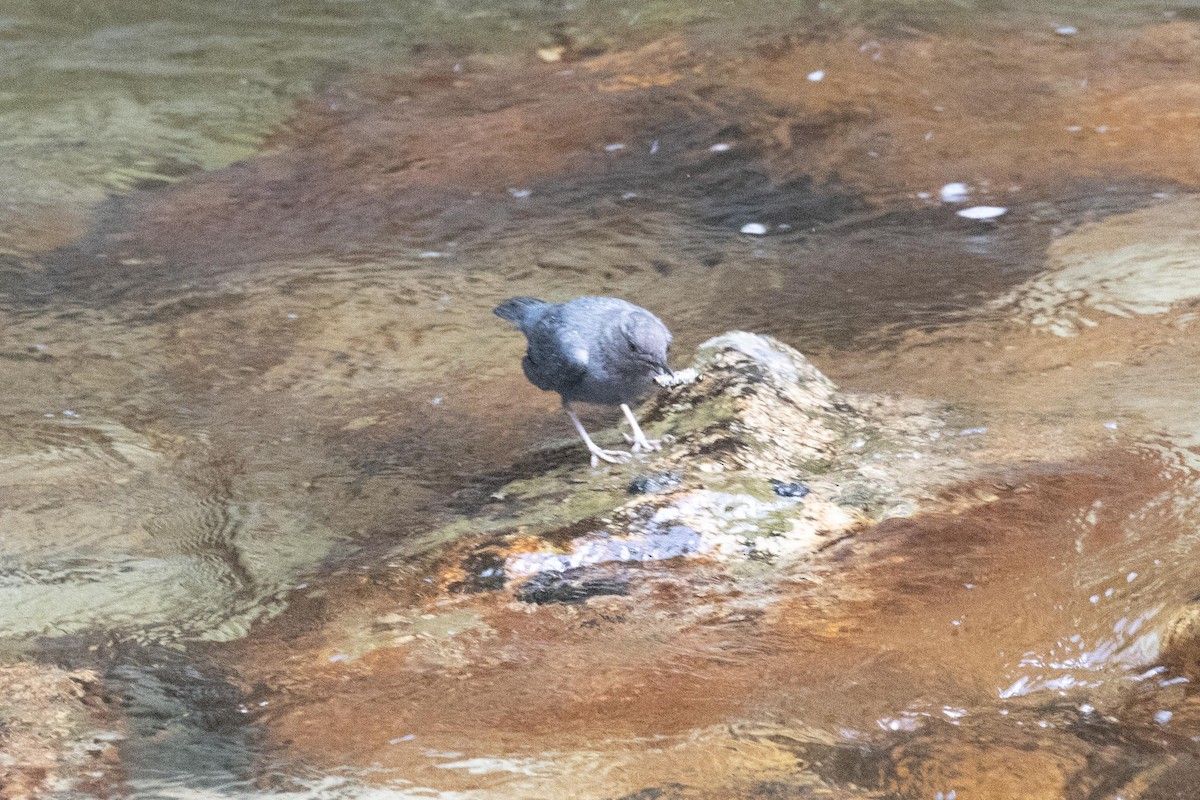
766	459
54	733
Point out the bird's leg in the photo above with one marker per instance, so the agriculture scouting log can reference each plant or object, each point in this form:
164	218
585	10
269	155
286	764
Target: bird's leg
611	456
639	441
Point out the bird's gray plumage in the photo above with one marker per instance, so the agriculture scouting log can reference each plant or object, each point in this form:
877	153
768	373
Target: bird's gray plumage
591	350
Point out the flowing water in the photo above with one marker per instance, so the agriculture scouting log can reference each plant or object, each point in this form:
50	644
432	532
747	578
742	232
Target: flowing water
247	264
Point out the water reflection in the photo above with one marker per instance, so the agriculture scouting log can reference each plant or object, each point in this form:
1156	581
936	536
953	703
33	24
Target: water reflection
233	394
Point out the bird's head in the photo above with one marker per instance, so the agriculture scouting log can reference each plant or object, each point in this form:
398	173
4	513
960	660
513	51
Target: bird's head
646	342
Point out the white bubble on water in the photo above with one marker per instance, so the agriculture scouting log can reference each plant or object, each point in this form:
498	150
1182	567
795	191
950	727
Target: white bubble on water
954	193
982	212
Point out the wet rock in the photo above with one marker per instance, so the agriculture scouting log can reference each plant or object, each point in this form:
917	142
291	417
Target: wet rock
55	733
570	586
654	483
669	542
789	489
764	430
483	572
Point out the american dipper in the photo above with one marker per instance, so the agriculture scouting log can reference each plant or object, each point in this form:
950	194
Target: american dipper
592	350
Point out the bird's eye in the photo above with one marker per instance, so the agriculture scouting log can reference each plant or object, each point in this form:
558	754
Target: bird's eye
633	348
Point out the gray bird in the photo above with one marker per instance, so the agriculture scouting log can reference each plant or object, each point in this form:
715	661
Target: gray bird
592	350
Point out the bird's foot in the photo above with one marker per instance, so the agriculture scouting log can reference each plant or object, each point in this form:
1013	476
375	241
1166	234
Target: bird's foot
641	444
611	456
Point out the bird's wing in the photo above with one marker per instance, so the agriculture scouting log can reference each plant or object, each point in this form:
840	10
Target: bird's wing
556	359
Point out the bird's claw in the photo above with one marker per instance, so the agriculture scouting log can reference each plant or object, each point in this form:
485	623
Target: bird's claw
643	445
611	456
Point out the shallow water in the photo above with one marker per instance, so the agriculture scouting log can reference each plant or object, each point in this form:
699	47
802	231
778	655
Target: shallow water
245	293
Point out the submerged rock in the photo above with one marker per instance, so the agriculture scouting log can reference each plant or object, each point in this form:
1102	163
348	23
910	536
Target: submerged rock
1180	642
55	733
136	532
1142	263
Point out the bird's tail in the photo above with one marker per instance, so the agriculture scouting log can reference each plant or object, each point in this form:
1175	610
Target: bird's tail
516	309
